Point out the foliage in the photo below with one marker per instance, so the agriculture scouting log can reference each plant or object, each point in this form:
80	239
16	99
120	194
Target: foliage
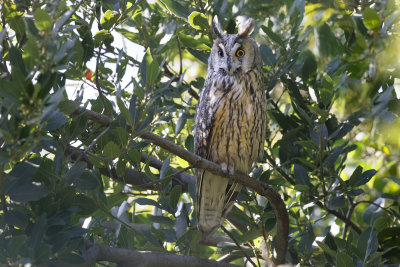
332	151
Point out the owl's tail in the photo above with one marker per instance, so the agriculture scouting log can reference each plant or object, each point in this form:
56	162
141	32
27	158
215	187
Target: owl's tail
216	196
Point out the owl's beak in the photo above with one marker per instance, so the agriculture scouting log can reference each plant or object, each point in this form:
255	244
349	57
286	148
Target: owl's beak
230	70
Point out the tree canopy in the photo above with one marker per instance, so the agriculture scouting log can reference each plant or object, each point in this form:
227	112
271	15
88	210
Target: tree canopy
97	105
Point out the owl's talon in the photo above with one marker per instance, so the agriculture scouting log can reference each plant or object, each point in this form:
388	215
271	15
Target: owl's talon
224	167
231	170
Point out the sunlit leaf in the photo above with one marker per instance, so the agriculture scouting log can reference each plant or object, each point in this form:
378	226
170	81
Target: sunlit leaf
108	20
371	19
43	20
198	20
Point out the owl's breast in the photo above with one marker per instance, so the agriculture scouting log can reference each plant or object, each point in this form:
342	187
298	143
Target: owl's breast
239	117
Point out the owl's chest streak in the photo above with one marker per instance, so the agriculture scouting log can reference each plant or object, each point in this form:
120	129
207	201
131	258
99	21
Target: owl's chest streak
235	131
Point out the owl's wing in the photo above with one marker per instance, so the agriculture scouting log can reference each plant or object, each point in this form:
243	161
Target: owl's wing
203	122
215	194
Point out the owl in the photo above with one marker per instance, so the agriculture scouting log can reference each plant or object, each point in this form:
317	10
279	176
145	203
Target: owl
230	121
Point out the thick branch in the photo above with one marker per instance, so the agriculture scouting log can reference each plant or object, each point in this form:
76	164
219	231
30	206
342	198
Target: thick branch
340	216
258	186
128	258
131	176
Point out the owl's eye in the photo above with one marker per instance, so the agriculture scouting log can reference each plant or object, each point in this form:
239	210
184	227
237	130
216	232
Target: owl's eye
220	53
240	52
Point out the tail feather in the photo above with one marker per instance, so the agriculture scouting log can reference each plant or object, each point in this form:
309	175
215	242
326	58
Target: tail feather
215	198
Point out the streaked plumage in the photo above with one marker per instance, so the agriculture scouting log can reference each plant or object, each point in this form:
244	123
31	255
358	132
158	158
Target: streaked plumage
230	121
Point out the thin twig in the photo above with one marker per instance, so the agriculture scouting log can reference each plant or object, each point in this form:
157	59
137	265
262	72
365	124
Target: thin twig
95	140
238	245
281	172
340	216
348	216
169	74
180	56
97	81
167	177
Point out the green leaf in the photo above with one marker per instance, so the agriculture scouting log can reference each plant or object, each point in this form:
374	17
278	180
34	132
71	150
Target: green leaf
200	55
145	123
326	249
27	192
198	21
31	52
152	70
267	55
111	150
63	19
133	37
300	175
372	212
43	20
146	201
307	238
371	19
78	126
273	36
309	66
180	123
135	156
354	178
38	230
125	112
328	43
86	205
132	109
161	219
175	7
174	195
15	57
102	36
121	135
366	176
336	202
395	179
165	167
367	244
108	20
54	121
189	143
194	43
17	24
344	260
87	181
74	172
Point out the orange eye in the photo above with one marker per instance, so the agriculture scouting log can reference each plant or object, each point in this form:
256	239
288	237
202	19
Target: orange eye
220	53
240	52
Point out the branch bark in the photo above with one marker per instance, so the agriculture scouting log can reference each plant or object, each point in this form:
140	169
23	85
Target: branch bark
128	258
258	186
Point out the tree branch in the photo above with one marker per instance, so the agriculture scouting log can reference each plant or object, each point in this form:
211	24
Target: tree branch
128	258
340	216
131	176
258	186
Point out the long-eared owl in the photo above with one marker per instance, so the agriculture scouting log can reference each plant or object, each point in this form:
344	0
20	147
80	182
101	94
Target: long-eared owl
230	121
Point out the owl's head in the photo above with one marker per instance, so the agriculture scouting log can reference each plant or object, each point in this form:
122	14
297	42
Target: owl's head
234	54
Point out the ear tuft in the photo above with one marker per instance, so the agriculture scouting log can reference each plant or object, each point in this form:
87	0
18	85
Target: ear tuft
246	29
217	27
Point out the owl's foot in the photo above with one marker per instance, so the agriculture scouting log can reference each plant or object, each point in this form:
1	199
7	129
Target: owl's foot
226	168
